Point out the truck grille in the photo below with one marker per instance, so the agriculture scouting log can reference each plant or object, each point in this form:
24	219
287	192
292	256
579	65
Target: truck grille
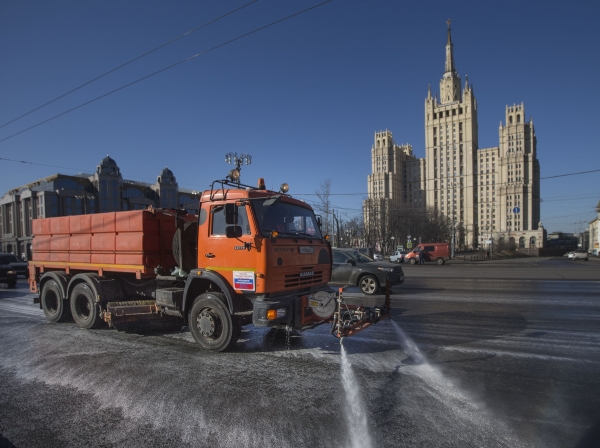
297	279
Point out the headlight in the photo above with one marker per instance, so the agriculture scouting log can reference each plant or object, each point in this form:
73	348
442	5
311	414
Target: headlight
386	269
10	272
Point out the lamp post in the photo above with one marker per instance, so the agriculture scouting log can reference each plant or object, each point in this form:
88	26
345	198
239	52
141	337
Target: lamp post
491	211
453	249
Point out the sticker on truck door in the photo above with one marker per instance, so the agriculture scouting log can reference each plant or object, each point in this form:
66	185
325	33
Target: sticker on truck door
244	280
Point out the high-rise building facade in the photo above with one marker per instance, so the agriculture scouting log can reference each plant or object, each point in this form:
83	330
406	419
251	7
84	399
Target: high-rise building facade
490	193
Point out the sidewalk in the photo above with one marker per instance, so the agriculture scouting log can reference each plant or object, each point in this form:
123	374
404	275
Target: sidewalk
466	259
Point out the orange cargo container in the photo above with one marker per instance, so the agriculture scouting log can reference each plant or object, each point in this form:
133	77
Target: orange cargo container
130	241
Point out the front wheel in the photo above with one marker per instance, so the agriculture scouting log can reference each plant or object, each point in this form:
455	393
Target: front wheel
413	260
369	284
85	312
12	284
211	324
440	261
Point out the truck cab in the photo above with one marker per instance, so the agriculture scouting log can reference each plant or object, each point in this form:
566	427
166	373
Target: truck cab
260	253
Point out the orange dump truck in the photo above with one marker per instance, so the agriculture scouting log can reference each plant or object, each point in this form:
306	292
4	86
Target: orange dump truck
249	256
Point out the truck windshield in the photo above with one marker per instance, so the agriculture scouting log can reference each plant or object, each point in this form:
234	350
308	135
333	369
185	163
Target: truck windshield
287	219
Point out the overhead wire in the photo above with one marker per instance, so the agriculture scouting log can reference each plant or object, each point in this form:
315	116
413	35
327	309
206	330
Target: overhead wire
168	68
187	33
295	194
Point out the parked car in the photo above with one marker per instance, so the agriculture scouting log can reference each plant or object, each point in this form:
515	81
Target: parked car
350	267
568	254
579	254
8	275
19	266
398	256
438	252
378	257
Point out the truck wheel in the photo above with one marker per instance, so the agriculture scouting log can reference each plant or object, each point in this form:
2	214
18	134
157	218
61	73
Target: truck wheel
368	284
55	308
413	260
211	324
83	307
440	261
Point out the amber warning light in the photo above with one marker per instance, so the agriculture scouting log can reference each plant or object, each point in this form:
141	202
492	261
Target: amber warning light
261	184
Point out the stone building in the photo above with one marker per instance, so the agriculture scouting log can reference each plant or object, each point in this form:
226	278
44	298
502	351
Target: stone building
489	193
103	191
594	233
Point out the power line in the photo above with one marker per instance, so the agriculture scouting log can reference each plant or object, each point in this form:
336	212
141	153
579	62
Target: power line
128	62
167	68
504	184
305	194
570	174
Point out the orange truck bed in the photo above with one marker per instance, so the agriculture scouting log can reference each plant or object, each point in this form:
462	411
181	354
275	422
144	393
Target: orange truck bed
129	241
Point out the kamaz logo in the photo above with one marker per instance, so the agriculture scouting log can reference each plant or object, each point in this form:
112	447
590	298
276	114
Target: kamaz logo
307	274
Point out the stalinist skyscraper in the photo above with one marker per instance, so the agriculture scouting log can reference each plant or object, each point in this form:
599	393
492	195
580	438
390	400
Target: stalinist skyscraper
490	193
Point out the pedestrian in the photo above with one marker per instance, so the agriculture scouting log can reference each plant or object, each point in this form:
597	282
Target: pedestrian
487	254
422	257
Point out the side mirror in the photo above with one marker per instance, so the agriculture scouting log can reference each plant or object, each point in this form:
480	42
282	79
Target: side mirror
319	221
231	215
233	231
352	262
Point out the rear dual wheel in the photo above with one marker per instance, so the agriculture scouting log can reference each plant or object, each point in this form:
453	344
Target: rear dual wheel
55	308
85	310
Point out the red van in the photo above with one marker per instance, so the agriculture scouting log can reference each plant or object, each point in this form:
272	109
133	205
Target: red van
438	252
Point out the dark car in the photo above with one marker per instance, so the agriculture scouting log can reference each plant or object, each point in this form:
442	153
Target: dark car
19	266
8	275
350	267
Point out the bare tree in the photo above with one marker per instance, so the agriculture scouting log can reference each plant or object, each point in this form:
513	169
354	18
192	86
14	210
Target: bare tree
325	205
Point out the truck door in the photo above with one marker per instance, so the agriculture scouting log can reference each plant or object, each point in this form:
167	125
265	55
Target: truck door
233	258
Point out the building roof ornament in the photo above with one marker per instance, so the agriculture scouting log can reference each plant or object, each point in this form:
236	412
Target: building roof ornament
449	53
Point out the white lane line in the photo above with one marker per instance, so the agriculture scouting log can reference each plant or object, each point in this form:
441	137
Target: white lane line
517	354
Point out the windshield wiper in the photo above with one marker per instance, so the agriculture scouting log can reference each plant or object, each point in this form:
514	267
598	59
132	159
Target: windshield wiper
292	235
308	236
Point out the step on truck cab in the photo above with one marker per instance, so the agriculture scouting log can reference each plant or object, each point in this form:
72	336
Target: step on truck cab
250	256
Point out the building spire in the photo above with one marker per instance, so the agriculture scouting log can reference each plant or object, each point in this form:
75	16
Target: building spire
449	53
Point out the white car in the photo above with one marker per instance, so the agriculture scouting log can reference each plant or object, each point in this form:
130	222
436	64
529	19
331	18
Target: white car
578	254
378	257
398	256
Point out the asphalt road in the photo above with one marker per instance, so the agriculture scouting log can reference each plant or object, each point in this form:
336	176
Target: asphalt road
494	354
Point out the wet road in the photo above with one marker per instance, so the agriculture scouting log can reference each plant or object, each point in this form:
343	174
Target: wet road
496	355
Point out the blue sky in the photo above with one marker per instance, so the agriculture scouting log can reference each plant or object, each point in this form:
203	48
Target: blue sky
303	97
